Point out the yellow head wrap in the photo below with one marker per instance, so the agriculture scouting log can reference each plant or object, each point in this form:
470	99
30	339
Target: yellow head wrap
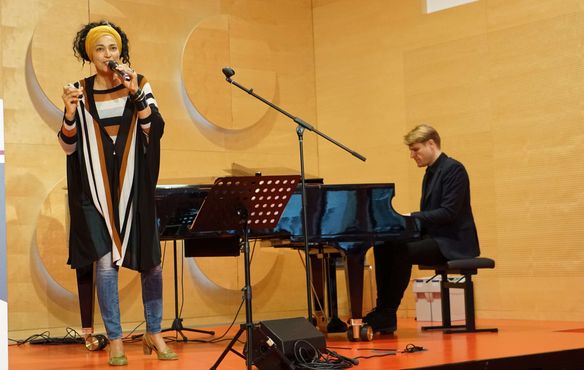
96	32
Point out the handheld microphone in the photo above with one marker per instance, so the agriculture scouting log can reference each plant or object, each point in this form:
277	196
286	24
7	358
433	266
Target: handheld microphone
228	72
113	65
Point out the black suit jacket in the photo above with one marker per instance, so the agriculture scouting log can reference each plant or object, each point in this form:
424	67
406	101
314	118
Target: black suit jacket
446	214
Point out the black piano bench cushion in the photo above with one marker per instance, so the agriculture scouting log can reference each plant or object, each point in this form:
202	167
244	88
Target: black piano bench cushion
463	264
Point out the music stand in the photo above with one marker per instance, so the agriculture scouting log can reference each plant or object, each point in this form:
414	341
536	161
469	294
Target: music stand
240	204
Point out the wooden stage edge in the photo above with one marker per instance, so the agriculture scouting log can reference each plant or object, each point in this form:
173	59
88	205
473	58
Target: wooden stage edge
519	344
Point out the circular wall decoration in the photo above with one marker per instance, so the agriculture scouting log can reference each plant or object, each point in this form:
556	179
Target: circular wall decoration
218	42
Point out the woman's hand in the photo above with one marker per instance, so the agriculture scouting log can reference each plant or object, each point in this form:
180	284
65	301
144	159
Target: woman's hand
71	96
132	84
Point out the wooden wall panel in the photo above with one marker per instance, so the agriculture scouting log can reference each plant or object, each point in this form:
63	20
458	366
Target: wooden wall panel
502	82
269	44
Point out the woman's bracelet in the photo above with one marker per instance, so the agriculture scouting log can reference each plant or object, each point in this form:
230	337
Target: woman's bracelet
139	99
68	122
138	96
141	104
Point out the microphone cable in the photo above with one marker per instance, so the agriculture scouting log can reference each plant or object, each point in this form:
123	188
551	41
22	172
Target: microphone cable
308	357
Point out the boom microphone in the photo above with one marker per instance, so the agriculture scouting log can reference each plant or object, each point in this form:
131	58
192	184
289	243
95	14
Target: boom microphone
228	72
113	65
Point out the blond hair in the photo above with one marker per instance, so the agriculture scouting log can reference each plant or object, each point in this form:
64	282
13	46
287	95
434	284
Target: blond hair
421	134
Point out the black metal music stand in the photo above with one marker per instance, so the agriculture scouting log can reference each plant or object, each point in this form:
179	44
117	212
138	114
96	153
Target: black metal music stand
238	205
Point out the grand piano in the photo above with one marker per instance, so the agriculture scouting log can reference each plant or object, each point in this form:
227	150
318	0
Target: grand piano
345	219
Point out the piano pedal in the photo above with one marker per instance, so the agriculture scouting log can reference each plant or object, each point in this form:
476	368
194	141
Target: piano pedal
359	331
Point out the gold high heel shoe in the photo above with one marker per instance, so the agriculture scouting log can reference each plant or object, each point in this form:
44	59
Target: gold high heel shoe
148	346
117	358
120	360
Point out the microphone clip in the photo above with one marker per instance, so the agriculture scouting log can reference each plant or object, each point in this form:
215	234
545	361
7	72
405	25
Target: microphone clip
228	72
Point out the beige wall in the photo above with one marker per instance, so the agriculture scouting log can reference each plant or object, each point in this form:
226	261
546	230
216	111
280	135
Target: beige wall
181	47
501	80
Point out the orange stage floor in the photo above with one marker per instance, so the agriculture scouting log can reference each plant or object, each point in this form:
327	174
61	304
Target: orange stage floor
517	345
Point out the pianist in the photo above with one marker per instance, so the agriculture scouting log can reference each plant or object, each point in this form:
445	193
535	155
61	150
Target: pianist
447	226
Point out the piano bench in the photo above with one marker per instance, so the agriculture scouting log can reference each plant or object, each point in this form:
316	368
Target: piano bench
466	268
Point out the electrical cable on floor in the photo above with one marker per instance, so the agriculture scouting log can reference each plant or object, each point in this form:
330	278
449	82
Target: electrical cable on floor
71	337
409	348
44	335
308	357
131	337
382	353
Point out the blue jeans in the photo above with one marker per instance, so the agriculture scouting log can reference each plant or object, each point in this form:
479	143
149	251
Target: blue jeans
109	298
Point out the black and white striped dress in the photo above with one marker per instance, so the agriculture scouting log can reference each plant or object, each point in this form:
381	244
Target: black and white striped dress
112	169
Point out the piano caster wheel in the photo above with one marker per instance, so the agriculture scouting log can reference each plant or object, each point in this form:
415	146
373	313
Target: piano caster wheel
350	335
365	334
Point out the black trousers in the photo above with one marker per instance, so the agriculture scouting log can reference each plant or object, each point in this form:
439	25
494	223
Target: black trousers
393	267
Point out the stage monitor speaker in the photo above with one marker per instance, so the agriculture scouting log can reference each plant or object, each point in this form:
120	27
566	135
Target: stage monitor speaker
276	343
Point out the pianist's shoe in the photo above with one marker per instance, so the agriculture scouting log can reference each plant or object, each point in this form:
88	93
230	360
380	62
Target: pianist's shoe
336	325
383	320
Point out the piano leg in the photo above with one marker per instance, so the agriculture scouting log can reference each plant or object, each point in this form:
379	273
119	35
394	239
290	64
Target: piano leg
317	269
335	325
324	277
354	270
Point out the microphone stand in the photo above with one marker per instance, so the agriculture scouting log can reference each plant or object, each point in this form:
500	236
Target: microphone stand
301	126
